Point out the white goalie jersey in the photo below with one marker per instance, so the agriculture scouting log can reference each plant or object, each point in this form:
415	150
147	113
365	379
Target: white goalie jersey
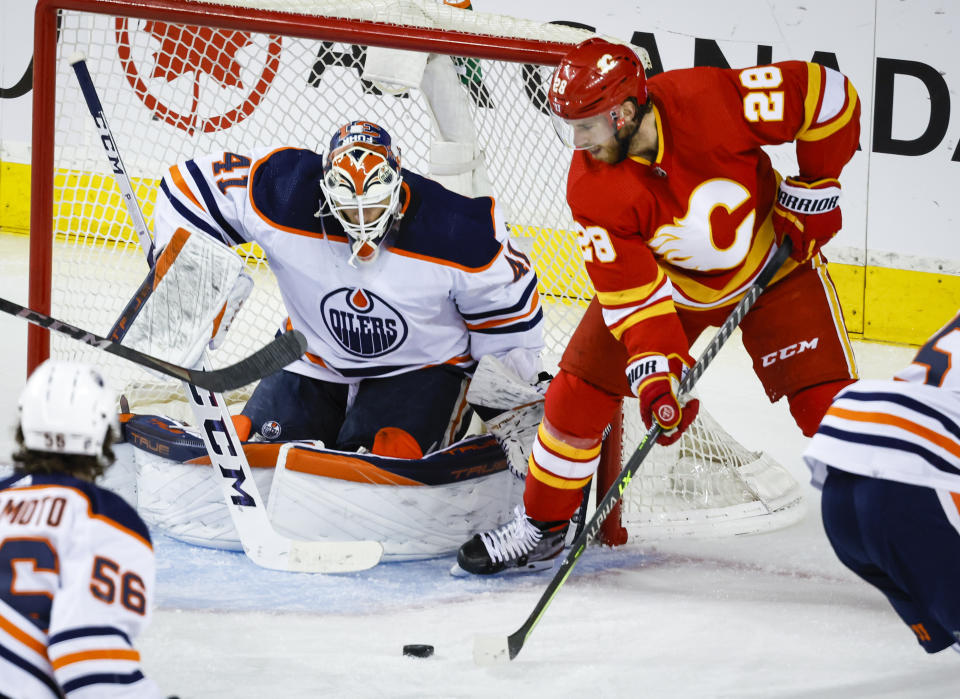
447	288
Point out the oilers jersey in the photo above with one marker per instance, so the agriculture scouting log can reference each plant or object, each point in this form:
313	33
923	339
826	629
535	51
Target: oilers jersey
76	588
906	429
446	288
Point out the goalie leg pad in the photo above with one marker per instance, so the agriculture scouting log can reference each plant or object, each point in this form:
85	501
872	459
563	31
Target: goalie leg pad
418	508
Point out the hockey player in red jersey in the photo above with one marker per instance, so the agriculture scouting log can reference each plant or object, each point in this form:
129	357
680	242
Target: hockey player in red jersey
76	561
678	208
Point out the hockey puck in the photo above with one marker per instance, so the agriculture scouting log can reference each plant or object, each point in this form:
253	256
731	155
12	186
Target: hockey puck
418	650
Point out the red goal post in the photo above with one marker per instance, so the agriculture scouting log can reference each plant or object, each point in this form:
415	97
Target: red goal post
172	73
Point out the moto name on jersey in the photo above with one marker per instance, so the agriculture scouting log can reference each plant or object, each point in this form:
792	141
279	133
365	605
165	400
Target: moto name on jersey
362	323
34	511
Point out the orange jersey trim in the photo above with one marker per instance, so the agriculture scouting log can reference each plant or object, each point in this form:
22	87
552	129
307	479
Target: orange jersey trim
105	520
29	641
458	360
446	263
117	654
902	423
181	184
534	301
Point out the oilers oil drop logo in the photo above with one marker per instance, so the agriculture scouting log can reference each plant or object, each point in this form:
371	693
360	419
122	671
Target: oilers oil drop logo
362	323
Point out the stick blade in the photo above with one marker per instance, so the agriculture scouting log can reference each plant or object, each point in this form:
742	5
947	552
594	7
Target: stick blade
334	556
269	359
491	649
318	556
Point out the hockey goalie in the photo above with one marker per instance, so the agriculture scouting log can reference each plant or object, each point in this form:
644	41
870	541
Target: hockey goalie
400	286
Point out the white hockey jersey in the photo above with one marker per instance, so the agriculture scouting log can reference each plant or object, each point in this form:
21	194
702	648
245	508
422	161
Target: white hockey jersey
446	288
76	588
906	429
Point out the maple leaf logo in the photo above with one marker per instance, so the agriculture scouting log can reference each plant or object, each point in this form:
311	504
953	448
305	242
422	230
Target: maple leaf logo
185	49
182	50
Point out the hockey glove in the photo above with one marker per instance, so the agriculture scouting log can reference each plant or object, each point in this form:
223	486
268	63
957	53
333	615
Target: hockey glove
655	380
807	212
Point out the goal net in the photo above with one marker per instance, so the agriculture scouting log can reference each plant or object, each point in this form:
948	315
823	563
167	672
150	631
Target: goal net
462	92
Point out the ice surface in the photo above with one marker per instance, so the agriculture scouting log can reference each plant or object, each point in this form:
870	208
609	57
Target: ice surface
767	616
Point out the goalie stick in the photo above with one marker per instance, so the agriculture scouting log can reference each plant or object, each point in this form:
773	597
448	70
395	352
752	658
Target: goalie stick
267	360
261	542
489	649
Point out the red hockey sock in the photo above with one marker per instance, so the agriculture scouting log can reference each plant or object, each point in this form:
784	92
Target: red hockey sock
810	405
546	503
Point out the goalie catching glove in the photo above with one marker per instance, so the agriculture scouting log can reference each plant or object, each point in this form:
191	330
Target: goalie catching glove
808	212
187	301
511	407
655	379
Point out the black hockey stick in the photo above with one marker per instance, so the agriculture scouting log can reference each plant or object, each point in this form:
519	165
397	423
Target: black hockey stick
490	649
269	359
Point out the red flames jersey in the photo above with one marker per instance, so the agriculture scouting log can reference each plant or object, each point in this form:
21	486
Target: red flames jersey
692	229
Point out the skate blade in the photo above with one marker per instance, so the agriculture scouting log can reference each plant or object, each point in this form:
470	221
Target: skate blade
535	567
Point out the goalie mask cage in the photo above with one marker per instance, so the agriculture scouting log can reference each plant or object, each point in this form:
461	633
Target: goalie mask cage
464	95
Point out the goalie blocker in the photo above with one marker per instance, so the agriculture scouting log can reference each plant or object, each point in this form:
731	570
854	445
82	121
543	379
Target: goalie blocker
187	301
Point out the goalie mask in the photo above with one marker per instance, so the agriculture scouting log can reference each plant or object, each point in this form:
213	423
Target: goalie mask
67	408
588	87
361	183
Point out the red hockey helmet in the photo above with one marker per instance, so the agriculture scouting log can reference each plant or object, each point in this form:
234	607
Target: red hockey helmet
593	80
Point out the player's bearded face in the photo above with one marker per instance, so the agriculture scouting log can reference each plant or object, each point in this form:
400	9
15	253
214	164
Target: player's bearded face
599	135
615	148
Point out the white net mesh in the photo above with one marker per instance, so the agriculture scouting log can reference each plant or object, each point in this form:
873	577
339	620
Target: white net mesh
705	484
174	90
171	92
